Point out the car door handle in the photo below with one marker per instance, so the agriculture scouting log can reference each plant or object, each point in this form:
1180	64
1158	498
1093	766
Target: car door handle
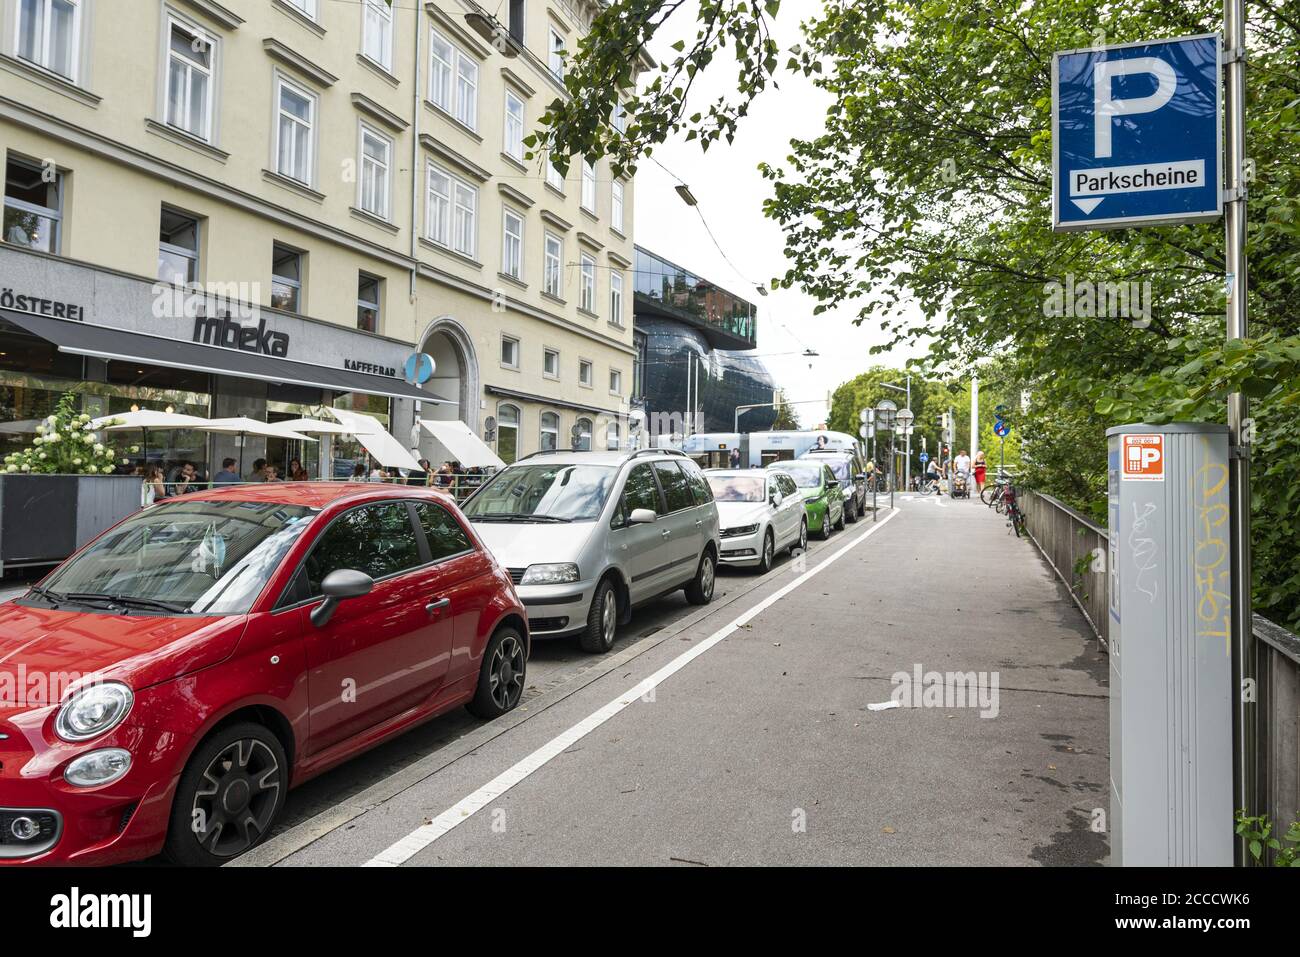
665	533
436	604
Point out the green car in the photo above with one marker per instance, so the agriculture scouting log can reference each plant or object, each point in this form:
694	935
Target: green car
822	499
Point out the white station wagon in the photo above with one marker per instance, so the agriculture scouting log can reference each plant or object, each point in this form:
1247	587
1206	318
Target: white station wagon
761	512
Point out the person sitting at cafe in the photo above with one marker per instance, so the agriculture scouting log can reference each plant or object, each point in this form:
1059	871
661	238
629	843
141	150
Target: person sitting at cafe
185	479
227	475
259	471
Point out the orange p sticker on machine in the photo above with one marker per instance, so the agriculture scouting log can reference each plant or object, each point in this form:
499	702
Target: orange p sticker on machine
1144	458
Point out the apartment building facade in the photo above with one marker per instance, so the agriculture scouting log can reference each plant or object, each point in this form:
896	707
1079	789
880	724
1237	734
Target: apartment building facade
264	207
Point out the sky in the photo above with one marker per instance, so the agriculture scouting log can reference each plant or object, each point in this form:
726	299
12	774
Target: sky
730	191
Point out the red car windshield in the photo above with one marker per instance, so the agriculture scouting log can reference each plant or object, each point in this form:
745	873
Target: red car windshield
195	557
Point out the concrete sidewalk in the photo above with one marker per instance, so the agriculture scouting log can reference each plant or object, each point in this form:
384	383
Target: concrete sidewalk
763	750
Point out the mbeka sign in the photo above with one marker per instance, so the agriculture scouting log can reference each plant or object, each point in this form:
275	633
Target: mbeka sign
1136	134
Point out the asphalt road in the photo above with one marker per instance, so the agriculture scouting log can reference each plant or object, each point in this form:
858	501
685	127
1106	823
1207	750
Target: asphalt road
741	733
762	749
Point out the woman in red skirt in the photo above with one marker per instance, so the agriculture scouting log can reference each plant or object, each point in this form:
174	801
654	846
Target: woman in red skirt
980	467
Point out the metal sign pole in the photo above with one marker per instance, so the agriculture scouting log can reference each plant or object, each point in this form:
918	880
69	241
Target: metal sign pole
1243	641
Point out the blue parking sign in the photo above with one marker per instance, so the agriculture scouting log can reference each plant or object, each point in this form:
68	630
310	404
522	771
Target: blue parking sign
1136	134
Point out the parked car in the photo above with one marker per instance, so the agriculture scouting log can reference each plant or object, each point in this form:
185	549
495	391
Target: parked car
851	472
208	653
588	536
822	499
761	512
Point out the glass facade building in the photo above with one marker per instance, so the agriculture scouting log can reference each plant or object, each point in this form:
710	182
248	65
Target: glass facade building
694	340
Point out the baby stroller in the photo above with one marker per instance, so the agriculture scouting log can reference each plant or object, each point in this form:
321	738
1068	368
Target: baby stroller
960	485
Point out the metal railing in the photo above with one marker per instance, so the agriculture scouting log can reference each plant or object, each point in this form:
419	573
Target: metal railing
1069	542
460	487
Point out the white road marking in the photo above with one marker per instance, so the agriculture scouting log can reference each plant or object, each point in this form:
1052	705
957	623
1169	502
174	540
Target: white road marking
401	851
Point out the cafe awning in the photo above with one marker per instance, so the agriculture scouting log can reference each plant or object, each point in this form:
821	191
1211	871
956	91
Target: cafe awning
85	339
466	447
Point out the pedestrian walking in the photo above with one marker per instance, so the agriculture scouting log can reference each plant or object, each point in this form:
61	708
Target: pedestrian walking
981	469
961	467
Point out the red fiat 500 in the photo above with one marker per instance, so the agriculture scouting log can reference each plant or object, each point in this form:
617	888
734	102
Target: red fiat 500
165	687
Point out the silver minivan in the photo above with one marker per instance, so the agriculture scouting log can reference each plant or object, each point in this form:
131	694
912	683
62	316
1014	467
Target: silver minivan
588	536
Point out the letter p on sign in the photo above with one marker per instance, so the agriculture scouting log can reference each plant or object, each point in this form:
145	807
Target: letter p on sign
1144	458
1107	106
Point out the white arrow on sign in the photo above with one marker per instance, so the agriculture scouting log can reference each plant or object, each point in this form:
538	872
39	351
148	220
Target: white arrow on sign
1088	205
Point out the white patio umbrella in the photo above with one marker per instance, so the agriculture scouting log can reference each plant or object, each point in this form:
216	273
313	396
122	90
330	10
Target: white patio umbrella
242	426
315	427
378	441
319	427
144	420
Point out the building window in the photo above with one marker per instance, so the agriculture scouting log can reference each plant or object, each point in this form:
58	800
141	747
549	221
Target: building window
555	54
376	152
585	373
33	206
377	32
582	435
615	382
178	247
306	7
620	118
514	138
512	245
296	118
616	297
368	303
452	215
453	80
554	178
286	278
515	14
507	433
616	206
189	80
550	432
612	435
552	266
587	287
510	352
588	187
48	34
551	363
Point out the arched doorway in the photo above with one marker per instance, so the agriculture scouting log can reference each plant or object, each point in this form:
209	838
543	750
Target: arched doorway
455	379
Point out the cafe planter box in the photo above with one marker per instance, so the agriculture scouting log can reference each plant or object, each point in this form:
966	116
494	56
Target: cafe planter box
45	518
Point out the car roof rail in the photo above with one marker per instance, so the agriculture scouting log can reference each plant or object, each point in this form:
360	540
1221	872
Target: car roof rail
658	452
549	452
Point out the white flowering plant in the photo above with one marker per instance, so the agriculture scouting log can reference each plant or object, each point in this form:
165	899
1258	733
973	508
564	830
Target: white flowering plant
64	445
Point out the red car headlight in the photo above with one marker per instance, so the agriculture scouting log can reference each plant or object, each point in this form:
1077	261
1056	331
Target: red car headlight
93	710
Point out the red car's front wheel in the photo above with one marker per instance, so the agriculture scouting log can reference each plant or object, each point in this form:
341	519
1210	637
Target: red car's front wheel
230	794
